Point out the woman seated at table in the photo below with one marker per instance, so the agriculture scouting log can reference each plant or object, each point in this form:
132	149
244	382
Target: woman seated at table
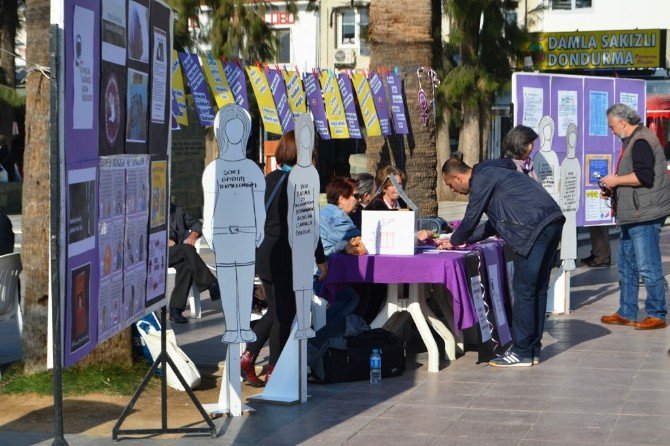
390	198
337	230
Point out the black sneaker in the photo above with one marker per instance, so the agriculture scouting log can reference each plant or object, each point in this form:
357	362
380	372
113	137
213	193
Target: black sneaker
176	316
215	292
589	259
510	359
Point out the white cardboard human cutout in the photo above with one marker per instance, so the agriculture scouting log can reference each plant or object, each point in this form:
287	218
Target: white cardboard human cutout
303	222
545	161
234	219
570	191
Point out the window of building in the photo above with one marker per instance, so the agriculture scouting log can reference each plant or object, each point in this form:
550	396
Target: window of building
353	30
283	37
567	5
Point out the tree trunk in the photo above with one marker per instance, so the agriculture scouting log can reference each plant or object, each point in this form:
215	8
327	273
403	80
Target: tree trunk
485	126
36	202
443	145
35	222
407	41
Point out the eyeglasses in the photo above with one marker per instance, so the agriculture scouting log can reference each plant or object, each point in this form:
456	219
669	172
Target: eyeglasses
357	195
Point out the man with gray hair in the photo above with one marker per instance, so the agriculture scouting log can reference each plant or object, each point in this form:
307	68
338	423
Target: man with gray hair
640	189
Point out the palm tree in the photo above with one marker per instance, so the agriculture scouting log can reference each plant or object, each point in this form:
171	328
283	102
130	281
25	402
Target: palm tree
406	34
488	44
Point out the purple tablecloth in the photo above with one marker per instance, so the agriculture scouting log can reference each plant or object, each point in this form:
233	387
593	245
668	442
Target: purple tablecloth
446	267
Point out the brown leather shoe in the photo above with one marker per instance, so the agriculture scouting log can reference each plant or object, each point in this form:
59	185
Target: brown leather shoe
650	323
615	319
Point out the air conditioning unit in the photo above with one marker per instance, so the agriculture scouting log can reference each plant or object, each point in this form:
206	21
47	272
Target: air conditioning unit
345	56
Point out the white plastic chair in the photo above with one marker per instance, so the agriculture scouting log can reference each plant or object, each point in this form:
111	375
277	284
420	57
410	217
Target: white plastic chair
10	268
194	295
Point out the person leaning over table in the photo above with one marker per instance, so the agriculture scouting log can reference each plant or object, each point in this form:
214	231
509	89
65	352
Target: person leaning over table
530	222
642	196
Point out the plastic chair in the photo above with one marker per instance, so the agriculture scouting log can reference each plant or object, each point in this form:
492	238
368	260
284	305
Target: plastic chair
194	295
10	268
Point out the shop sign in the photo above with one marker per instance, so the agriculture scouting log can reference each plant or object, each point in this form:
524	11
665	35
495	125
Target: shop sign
598	49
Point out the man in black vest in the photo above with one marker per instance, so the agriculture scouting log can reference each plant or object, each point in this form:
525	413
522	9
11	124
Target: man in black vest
182	256
641	191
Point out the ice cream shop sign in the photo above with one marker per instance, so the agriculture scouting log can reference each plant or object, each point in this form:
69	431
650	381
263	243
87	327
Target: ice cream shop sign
599	49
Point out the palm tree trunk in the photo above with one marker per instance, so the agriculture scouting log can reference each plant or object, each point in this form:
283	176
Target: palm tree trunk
408	41
35	221
36	200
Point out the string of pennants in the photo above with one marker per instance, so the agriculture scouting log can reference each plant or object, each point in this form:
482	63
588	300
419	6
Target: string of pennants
280	93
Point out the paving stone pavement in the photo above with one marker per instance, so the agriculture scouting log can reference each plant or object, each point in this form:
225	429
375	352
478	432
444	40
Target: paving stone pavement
595	385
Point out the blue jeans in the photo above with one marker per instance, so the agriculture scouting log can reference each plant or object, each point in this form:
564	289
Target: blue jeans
640	255
530	285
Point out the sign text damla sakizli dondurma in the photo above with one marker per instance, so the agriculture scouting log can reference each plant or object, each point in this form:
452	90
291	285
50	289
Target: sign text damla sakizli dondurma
599	49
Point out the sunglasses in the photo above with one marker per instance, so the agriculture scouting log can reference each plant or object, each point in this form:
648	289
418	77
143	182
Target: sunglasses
357	195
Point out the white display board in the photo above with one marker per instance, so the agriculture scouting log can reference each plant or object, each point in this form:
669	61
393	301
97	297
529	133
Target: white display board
389	232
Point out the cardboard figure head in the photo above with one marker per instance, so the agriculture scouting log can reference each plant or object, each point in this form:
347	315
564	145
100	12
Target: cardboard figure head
304	138
232	127
546	128
571	136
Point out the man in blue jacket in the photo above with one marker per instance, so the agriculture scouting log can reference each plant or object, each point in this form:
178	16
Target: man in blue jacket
529	220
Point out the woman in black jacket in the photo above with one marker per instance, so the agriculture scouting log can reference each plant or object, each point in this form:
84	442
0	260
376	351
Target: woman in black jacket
273	266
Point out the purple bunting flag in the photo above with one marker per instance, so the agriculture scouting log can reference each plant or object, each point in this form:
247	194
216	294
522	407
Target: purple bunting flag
196	80
315	104
278	89
347	92
238	85
379	95
397	104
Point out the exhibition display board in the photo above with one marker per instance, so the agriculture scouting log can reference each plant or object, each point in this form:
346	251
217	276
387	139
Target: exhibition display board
549	104
115	152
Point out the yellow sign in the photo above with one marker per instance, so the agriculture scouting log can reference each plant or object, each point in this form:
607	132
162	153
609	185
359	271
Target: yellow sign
216	79
266	103
598	49
158	192
337	121
367	103
180	115
295	92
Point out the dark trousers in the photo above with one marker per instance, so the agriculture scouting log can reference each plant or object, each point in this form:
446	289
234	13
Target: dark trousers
275	325
600	242
530	285
190	267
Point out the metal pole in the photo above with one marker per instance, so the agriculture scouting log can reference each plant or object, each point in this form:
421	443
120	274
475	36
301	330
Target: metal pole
164	372
59	435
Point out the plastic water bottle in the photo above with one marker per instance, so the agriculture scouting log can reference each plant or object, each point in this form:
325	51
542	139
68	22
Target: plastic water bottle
375	366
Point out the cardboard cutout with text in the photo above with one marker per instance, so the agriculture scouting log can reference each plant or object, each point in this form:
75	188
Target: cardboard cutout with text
303	222
546	161
570	191
234	218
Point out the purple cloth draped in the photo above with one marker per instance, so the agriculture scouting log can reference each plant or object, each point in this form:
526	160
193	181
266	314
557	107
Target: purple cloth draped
347	92
494	257
379	95
237	82
315	104
278	89
447	268
199	88
397	104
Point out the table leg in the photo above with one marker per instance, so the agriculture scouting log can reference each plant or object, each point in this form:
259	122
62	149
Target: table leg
448	312
442	330
414	309
389	308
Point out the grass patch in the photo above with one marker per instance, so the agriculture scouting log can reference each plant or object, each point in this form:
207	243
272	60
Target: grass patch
108	379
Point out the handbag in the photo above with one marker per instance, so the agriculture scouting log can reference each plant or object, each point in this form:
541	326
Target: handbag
353	364
152	338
